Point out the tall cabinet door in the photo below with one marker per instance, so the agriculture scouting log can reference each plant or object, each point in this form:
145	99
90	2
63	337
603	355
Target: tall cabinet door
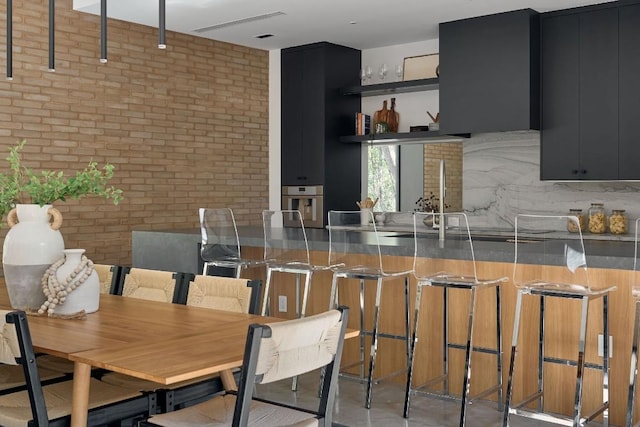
580	96
629	62
599	94
291	113
560	145
312	102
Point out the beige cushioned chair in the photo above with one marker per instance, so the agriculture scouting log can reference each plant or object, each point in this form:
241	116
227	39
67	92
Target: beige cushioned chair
274	352
151	285
43	404
109	276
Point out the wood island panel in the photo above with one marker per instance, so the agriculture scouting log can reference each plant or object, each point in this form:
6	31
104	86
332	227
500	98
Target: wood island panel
562	322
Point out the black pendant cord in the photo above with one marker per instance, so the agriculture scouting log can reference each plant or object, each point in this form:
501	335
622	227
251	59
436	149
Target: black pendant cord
52	35
162	41
103	31
9	39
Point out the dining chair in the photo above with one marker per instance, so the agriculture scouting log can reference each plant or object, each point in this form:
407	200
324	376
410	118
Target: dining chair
151	285
109	276
222	293
430	247
50	404
355	253
635	294
561	272
273	352
214	292
220	243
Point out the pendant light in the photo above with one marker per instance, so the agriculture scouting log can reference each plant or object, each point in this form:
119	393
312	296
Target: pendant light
9	39
162	41
52	35
103	31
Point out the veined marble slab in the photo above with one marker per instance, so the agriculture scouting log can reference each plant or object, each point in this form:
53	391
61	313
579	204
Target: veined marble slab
501	178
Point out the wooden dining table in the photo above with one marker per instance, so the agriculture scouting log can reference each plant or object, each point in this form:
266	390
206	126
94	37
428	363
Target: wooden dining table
162	342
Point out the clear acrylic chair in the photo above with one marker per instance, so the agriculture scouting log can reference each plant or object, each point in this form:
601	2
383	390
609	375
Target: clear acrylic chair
432	254
559	270
635	293
286	250
354	253
220	242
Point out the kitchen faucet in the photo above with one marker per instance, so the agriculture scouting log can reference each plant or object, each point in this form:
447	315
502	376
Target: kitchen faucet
443	189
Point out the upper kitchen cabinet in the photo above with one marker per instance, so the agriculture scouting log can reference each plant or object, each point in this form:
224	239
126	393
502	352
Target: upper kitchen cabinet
489	73
590	93
314	114
629	95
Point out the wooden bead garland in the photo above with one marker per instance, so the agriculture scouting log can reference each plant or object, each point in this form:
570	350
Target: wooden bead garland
56	292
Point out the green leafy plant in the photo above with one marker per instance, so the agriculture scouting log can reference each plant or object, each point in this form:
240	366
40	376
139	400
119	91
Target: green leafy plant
22	185
429	204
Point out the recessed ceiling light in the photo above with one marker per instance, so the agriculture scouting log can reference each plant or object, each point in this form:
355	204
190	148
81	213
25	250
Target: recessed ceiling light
353	22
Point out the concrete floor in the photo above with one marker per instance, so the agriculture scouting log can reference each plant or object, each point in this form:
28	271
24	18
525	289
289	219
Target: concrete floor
387	404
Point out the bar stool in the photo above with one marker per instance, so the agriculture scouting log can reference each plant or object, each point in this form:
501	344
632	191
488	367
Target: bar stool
220	242
432	252
349	240
286	250
560	271
635	293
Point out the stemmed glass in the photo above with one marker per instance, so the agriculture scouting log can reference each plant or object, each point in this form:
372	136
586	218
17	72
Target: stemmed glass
382	71
399	71
366	73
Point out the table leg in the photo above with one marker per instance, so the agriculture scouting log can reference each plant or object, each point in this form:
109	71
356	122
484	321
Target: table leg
80	404
228	381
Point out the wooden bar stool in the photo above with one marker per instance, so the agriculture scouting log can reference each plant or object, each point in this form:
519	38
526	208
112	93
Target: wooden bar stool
349	239
561	272
429	269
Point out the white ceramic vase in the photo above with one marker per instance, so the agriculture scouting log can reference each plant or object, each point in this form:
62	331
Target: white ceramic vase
87	295
30	247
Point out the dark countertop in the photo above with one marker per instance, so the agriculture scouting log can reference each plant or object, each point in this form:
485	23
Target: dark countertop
150	248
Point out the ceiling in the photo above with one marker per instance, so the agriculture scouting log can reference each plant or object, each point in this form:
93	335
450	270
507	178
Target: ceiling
361	24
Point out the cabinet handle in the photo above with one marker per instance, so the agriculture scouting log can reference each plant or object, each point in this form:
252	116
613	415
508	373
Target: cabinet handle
575	171
583	171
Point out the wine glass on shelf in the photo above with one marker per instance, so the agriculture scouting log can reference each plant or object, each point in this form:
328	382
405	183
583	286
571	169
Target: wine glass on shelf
399	71
368	72
382	71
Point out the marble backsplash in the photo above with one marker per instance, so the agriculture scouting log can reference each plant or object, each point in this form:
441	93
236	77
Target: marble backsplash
501	178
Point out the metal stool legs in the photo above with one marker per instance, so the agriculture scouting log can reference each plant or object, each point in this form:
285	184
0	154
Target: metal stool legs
577	419
468	347
374	333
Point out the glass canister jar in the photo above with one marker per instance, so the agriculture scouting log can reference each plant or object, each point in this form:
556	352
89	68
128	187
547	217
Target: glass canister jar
618	221
597	218
572	227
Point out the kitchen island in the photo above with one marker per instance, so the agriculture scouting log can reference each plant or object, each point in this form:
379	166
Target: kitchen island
610	259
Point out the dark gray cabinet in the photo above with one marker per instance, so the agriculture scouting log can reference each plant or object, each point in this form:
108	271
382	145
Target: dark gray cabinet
489	73
314	114
629	95
590	94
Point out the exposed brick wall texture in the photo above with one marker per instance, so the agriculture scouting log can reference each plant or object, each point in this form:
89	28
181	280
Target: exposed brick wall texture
185	127
452	155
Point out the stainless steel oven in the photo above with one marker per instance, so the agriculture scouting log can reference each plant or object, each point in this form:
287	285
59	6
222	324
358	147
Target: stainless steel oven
306	199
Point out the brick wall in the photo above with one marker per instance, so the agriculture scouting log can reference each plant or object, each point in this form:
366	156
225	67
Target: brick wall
185	127
452	154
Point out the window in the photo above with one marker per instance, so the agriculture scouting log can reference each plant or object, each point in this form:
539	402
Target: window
383	176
